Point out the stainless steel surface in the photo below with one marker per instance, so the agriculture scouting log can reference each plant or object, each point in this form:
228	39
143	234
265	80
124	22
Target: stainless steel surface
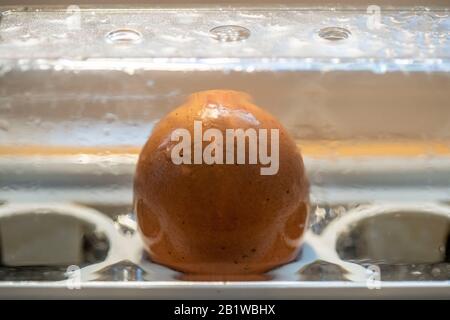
399	39
118	280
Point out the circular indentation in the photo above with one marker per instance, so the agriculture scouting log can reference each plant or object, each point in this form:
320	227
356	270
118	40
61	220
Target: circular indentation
98	228
124	36
230	33
385	233
73	235
334	33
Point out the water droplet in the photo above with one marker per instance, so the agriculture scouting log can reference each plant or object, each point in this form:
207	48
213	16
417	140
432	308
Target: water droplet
35	121
435	272
421	9
401	18
320	213
229	33
25	36
124	36
110	117
59	35
126	224
4	125
334	33
343	19
440	14
339	211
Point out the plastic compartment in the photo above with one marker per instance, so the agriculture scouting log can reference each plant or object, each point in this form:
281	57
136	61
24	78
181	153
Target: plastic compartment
367	103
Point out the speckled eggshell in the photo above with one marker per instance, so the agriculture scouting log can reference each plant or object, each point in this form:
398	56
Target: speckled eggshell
223	219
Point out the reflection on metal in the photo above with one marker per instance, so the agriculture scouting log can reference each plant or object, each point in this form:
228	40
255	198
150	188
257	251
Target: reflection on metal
127	267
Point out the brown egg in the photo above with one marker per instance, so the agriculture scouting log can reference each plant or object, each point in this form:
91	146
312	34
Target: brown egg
220	219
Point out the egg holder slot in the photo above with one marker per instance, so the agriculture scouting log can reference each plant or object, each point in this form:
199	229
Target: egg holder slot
126	247
32	212
424	241
419	230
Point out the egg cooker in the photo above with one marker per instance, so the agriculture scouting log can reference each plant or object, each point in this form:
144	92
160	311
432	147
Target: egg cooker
364	90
